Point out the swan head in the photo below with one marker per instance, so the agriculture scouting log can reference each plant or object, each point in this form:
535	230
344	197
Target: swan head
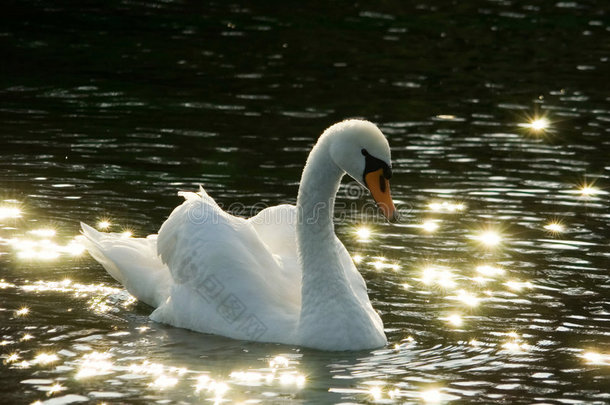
360	149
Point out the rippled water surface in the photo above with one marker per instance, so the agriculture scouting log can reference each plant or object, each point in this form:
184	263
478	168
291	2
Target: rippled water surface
495	286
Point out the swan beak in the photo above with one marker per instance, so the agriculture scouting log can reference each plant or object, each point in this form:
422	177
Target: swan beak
379	187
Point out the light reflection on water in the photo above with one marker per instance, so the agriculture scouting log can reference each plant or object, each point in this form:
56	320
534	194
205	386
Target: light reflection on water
494	289
492	285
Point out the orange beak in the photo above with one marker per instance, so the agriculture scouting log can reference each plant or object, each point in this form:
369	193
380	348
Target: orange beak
379	187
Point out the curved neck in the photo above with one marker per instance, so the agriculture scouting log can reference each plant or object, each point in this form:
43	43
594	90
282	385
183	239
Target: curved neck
316	240
316	199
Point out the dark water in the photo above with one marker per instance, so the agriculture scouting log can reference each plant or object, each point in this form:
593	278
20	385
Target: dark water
107	109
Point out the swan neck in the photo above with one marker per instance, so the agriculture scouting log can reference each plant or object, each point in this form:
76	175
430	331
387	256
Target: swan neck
316	199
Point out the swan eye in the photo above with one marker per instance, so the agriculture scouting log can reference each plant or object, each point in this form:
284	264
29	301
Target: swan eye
372	164
387	172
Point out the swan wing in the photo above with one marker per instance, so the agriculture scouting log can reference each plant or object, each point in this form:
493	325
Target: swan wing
227	279
360	292
354	278
276	227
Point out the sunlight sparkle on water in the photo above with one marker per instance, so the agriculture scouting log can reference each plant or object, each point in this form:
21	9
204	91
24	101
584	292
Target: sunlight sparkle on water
474	343
12	358
94	364
357	258
277	371
202	383
407	343
593	357
439	276
44	249
178	370
363	234
251	377
43	232
24	364
554	227
489	238
376	393
393	394
588	190
74	248
455	320
208	384
489	271
430	226
146	367
47	254
514	346
9	212
292	379
468	298
45	358
162	382
97	294
445	280
379	264
517	285
22	311
278	361
539	124
431	396
57	387
429	275
220	389
103	224
446	206
536	124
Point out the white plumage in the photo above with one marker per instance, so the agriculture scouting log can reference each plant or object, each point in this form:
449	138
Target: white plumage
280	276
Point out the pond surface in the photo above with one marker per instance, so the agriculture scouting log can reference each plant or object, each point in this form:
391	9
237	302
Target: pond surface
494	287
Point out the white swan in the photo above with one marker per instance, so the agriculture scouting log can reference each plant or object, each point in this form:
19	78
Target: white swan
281	276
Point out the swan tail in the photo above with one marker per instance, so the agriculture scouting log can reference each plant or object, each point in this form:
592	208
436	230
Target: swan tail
133	262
